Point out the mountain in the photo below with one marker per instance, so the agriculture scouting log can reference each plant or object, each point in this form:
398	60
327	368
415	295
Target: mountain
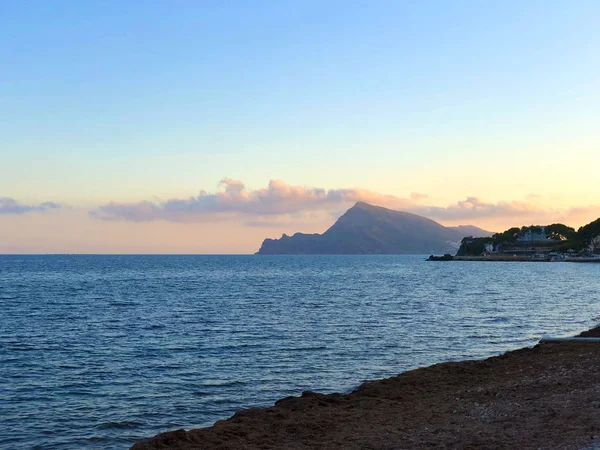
471	230
368	229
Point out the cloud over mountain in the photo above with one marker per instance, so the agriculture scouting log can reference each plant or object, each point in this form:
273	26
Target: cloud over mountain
276	199
281	202
11	206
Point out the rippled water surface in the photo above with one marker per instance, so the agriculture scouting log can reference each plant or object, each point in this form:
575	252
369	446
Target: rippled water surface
99	351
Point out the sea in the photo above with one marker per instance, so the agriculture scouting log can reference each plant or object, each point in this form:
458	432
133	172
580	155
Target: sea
101	351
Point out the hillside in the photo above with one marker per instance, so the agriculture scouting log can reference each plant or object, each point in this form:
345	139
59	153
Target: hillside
470	230
368	229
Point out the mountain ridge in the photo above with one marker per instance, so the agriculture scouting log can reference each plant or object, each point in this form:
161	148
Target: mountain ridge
369	229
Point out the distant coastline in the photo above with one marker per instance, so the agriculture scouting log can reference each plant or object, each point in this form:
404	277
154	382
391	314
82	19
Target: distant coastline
514	258
555	242
367	229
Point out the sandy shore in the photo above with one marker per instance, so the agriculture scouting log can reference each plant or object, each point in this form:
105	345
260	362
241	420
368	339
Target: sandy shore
546	397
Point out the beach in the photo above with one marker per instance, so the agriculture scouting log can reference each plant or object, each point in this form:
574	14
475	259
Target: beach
545	397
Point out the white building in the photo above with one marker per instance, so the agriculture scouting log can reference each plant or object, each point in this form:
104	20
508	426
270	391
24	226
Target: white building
534	236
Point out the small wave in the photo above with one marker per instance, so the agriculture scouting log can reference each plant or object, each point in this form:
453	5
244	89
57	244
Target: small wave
20	348
76	289
201	393
482	337
305	349
223	383
222	401
498	320
120	425
170	366
238	346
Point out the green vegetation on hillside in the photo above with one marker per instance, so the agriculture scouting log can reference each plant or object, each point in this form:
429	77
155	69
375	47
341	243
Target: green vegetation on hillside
563	238
590	234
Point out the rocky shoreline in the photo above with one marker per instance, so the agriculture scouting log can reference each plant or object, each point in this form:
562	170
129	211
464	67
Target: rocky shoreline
545	397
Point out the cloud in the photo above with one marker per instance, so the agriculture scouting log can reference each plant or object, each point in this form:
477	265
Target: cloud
534	197
11	206
282	204
294	221
415	196
580	214
276	199
476	208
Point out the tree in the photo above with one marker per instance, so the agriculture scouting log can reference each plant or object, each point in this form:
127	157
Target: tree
589	233
471	246
595	243
560	232
535	229
507	236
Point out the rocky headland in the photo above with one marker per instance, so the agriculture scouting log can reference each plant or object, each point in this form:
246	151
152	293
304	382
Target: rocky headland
369	229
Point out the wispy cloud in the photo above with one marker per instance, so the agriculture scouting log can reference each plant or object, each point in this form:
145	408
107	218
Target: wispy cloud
415	196
475	208
11	206
580	214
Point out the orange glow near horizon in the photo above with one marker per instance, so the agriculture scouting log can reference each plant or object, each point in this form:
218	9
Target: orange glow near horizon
74	231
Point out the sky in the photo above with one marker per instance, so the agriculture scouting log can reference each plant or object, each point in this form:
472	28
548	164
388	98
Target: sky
206	126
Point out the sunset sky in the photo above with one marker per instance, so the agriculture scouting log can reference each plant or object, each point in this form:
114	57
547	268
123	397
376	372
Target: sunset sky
206	126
